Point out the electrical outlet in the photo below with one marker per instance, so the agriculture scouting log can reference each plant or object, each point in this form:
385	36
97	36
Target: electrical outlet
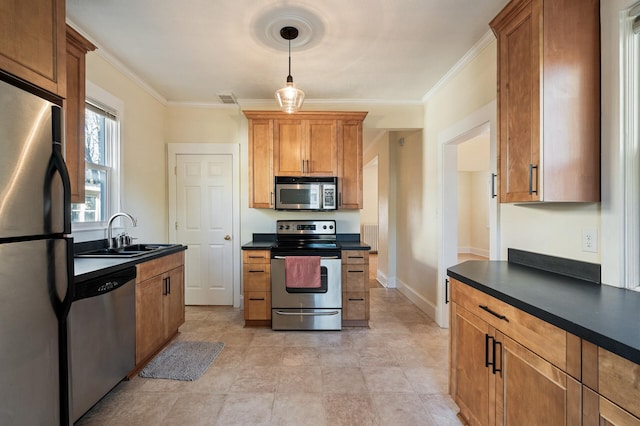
590	240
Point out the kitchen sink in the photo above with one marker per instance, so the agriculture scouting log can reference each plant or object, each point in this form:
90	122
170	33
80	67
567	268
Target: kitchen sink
133	250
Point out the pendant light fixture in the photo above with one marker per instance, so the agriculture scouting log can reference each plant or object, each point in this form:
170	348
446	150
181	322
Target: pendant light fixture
289	97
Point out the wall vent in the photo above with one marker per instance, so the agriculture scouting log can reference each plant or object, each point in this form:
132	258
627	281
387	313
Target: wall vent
227	98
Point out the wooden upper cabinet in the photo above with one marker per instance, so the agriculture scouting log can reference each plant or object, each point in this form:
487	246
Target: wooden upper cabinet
261	163
305	148
32	42
350	161
305	144
74	106
549	100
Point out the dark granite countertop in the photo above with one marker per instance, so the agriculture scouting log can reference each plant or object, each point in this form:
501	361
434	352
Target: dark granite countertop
604	315
92	267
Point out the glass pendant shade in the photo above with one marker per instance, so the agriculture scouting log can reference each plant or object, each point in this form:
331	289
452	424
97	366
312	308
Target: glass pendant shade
290	98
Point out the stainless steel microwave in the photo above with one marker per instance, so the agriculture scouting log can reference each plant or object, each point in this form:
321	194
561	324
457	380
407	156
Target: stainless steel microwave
306	193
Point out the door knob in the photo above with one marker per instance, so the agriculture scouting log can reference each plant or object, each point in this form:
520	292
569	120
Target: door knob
227	237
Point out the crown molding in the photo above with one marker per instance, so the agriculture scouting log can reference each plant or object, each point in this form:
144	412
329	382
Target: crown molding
471	54
113	61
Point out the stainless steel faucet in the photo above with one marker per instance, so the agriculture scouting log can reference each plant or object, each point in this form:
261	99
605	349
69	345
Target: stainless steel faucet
115	245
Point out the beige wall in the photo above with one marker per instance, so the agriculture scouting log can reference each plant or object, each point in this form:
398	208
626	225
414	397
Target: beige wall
143	158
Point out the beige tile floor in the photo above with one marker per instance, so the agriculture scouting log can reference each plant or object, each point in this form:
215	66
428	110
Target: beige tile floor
394	373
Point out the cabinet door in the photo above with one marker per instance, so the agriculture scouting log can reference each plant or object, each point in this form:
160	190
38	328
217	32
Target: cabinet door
32	42
530	390
149	317
74	105
350	164
260	164
471	381
174	301
321	152
288	147
519	105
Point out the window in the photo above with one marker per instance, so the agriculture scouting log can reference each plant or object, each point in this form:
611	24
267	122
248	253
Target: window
101	148
620	112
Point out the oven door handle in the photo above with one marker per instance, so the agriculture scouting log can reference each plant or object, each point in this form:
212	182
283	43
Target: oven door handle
323	257
308	314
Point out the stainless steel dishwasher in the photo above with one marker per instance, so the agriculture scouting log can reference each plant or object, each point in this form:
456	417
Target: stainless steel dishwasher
102	337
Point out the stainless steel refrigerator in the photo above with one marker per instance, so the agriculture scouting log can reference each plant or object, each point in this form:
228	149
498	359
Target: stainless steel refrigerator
36	260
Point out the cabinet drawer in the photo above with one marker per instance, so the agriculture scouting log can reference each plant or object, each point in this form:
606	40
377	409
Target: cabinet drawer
256	256
355	305
256	277
355	257
158	266
354	278
257	305
546	340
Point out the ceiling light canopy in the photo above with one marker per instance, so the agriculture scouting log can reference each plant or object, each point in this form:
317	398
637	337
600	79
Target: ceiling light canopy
289	97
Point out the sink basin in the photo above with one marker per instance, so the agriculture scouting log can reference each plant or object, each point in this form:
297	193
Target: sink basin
133	250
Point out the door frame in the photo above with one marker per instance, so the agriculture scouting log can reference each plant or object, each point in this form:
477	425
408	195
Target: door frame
175	149
474	124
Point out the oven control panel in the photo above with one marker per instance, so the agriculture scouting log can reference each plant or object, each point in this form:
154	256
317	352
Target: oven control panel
306	227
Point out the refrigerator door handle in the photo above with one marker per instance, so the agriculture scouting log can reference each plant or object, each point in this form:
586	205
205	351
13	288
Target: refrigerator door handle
57	165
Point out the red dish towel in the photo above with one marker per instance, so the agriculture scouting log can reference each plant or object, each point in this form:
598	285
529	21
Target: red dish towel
302	271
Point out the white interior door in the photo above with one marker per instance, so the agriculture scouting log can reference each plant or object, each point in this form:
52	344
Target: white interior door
204	223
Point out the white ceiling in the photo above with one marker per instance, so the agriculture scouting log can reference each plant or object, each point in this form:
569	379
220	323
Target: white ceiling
347	51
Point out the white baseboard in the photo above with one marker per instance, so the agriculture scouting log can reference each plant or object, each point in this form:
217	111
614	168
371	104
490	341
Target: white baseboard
474	250
388	282
423	304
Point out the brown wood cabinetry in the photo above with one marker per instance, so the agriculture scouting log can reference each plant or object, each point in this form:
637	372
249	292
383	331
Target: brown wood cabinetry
508	367
261	163
159	304
256	273
611	388
32	42
74	106
355	288
549	100
305	148
305	144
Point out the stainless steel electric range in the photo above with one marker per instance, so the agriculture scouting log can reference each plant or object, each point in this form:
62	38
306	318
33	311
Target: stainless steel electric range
303	297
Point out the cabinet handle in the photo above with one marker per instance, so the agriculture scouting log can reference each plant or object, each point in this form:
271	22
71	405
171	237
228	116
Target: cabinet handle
256	298
164	286
302	165
486	350
256	270
356	299
168	285
446	290
271	202
360	272
496	357
494	313
256	257
355	257
493	185
531	190
339	199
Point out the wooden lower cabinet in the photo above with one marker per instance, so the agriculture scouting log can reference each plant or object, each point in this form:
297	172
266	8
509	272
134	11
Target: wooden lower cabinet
495	378
159	304
256	278
611	391
501	373
355	288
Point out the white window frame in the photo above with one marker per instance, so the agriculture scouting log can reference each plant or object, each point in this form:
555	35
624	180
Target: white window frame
620	209
100	97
